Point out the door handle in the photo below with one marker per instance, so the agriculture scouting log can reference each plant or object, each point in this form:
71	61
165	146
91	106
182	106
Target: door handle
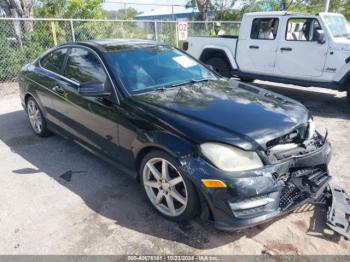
254	47
286	49
58	89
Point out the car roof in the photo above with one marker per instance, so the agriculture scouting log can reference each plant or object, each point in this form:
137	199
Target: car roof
106	45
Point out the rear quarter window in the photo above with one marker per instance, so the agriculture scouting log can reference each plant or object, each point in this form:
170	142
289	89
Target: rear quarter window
54	60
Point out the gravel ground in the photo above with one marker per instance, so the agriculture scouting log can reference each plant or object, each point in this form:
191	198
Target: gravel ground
101	211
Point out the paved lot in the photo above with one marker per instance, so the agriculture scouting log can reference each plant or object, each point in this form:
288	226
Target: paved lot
100	211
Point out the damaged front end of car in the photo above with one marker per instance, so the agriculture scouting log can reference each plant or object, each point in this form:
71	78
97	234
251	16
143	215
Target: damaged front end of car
295	172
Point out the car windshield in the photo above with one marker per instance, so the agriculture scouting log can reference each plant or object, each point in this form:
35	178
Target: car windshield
144	68
338	25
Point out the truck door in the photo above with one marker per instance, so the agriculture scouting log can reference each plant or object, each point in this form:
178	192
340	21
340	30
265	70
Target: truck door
299	54
257	47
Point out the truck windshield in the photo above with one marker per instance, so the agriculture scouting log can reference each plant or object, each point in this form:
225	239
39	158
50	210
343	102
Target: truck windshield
338	25
144	68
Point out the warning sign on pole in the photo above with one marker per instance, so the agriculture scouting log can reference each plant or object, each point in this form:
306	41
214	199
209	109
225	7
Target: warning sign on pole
182	29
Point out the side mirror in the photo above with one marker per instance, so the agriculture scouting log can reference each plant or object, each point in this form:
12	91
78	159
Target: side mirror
320	36
93	90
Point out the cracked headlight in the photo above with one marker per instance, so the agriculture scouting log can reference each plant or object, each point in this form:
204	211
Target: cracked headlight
312	129
230	158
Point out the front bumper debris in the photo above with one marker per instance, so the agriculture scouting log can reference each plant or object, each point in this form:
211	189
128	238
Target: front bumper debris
255	196
338	216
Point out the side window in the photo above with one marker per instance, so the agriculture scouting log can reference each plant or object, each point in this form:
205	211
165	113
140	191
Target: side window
54	60
84	67
302	29
264	28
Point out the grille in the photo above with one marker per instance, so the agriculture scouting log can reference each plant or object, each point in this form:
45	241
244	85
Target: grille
290	195
301	183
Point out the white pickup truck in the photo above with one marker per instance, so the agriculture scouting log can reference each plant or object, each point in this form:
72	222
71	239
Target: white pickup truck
282	47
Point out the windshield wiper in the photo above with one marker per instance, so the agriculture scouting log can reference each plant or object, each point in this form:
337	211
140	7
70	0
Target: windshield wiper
162	88
192	81
201	80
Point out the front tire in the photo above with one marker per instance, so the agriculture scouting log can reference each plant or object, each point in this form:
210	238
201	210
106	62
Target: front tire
169	191
220	65
36	118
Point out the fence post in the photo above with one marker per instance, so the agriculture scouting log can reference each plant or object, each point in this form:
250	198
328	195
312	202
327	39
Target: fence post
72	30
156	29
54	35
122	25
176	34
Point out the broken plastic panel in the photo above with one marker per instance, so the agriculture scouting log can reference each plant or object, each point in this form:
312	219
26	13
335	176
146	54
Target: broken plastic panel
338	217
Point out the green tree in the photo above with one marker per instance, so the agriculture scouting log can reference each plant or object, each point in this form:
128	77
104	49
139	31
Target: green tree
111	14
305	6
315	6
203	7
88	9
223	10
19	9
122	14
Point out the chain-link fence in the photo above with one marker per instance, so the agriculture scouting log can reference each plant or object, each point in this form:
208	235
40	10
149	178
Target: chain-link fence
22	40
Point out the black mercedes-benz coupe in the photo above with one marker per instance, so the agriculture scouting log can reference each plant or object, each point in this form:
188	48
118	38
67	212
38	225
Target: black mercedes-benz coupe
198	143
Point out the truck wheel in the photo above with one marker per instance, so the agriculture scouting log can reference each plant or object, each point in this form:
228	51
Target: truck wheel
220	65
246	79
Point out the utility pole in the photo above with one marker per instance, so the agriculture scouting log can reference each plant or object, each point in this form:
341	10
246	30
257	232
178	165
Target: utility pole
126	11
326	5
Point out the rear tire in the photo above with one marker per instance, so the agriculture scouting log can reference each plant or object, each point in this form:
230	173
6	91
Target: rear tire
169	191
36	118
220	65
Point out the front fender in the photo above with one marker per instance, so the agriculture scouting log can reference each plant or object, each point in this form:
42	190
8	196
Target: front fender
343	74
176	146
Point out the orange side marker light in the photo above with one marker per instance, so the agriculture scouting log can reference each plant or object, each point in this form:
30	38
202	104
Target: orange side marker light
213	183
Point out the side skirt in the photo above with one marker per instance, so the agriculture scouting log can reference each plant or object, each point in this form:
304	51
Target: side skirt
330	85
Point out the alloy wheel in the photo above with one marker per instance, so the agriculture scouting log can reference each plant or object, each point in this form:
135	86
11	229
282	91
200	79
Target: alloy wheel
34	115
165	187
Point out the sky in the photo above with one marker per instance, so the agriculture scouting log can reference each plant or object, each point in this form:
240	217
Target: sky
140	5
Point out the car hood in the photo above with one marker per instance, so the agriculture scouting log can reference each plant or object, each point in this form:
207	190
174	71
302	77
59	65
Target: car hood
342	44
224	111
